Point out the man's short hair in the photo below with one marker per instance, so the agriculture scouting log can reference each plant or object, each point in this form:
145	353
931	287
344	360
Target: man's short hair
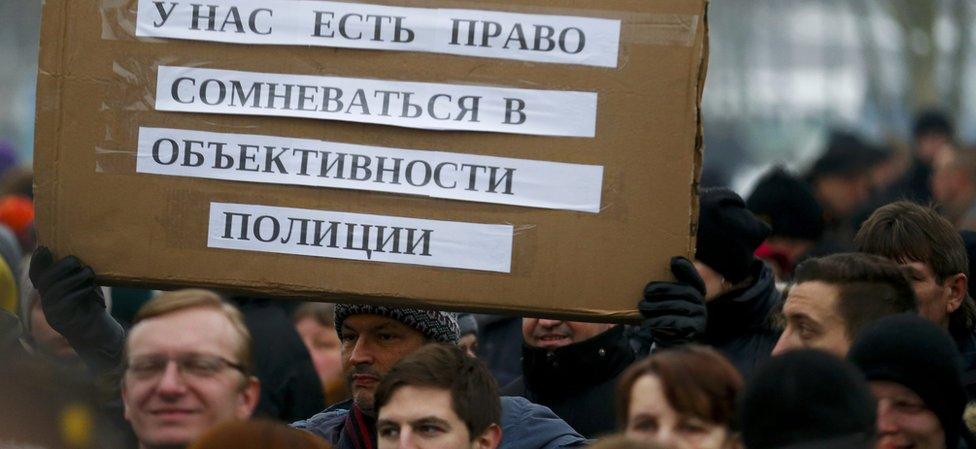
180	300
474	393
907	232
869	287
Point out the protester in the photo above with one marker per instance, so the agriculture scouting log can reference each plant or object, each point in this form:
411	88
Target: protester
468	326
316	324
935	257
807	399
841	183
257	434
914	372
954	186
438	397
572	367
834	297
787	205
931	132
736	291
373	339
682	397
38	336
187	368
75	307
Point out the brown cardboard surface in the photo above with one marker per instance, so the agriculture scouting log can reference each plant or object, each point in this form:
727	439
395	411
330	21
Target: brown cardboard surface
96	86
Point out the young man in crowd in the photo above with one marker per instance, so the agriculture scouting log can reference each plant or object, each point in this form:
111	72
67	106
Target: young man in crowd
914	372
834	297
439	397
934	256
187	369
374	339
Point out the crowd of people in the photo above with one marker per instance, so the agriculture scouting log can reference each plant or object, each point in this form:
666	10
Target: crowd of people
827	309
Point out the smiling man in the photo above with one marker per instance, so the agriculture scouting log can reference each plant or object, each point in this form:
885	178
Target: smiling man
187	369
438	398
572	367
834	297
915	375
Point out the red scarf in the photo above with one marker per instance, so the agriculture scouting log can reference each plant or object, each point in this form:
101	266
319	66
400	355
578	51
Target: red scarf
360	429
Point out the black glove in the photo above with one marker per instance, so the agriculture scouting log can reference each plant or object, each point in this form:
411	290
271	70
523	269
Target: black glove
74	306
675	312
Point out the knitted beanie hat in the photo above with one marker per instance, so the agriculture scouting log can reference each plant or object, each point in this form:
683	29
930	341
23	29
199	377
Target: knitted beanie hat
435	325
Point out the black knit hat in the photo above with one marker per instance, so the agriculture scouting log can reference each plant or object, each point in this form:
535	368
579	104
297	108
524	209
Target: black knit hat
911	351
846	155
728	233
787	204
932	121
807	396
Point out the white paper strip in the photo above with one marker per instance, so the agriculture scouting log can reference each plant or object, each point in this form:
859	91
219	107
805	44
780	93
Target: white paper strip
398	103
377	238
282	160
524	37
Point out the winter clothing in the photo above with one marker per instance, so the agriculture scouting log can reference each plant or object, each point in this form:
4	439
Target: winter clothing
499	340
674	312
810	399
290	386
577	381
74	306
524	426
911	351
727	233
435	325
846	155
467	324
787	204
740	322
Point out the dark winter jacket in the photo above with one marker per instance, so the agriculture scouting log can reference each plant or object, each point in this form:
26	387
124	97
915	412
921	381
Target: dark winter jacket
577	381
524	426
499	346
740	323
966	344
290	387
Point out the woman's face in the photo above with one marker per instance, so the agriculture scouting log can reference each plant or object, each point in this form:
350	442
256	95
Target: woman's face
651	418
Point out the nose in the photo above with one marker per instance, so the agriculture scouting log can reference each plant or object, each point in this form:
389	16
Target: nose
549	324
361	352
406	439
886	421
171	383
784	343
666	437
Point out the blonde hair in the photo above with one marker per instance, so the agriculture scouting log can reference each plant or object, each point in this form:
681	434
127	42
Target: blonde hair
193	298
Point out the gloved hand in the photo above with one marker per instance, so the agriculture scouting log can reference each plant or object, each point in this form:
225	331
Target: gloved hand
675	312
74	306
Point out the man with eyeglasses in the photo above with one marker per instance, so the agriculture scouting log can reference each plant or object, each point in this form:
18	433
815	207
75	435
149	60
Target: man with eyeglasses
187	369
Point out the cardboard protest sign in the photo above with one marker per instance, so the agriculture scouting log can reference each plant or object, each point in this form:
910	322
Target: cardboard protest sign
517	158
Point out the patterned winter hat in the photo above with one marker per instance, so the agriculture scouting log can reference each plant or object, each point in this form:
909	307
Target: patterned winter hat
438	326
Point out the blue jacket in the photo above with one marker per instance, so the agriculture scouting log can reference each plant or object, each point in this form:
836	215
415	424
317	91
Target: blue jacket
524	426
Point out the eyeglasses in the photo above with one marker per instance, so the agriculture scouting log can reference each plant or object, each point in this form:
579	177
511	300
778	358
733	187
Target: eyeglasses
198	366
